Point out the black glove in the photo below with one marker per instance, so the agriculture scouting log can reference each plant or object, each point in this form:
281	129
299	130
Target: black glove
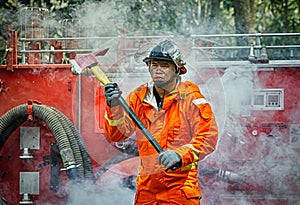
112	93
170	159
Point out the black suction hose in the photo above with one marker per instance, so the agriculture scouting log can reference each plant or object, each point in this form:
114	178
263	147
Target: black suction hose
71	146
56	127
72	141
10	121
77	143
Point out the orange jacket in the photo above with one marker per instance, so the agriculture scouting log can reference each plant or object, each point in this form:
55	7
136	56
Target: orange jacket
185	124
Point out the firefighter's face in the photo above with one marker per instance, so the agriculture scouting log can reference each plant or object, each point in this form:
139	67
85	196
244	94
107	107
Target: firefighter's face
162	71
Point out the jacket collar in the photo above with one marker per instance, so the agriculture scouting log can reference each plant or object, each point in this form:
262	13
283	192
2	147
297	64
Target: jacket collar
149	94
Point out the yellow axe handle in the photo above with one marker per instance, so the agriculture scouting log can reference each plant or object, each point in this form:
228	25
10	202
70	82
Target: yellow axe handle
100	75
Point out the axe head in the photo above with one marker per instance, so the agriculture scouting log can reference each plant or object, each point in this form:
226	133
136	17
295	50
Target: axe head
86	61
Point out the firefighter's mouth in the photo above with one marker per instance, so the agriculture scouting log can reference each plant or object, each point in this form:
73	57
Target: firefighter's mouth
158	78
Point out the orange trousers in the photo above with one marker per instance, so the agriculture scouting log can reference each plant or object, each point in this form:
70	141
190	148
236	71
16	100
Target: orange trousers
168	197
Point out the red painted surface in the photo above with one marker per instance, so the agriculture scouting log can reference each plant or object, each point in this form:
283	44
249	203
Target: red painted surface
56	88
54	85
263	158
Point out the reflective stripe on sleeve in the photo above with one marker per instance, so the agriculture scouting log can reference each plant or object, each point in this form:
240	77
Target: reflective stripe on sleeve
193	148
196	158
200	101
114	122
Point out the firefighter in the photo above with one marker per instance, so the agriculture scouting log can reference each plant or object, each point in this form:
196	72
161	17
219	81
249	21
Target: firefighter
179	118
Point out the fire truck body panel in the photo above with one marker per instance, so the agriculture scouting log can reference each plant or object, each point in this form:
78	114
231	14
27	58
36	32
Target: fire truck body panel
256	102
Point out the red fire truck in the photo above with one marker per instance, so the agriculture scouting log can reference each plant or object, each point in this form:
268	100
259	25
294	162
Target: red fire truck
51	132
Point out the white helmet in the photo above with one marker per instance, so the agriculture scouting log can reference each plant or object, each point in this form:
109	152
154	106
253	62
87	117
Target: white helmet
168	51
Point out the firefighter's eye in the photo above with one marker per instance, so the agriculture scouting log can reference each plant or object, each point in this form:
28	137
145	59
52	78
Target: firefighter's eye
154	65
165	65
162	66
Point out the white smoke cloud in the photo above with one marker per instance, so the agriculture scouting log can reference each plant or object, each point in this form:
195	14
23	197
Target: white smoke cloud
99	19
109	192
266	164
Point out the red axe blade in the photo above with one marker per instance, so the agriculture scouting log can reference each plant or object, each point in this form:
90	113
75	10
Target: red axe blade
90	59
87	60
101	52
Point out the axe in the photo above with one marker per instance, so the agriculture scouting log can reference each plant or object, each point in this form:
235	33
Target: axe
90	61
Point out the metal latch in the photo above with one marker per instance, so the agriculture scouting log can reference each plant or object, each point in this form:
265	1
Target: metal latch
2	86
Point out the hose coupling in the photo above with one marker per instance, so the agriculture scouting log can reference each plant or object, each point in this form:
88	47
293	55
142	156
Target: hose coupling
70	167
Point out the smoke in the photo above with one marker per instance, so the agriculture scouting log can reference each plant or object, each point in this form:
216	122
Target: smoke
266	165
109	192
98	19
238	83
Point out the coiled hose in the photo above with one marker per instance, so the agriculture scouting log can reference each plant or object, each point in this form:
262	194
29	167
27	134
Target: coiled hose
77	144
74	154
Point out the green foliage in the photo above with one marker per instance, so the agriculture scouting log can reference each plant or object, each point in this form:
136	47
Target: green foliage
176	16
278	16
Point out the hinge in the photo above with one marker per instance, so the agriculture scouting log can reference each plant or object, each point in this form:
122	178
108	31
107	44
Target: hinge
2	86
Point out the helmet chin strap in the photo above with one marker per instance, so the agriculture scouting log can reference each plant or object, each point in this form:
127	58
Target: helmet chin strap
161	84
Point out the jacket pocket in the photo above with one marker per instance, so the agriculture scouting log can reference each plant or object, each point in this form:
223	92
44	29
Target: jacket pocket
191	193
205	111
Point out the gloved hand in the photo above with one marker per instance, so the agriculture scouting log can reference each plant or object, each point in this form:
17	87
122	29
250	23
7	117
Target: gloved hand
169	158
112	93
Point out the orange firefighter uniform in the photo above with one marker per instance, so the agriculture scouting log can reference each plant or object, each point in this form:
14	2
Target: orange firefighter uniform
185	124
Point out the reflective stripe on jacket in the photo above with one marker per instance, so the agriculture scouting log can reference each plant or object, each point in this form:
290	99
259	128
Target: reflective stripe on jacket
185	124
